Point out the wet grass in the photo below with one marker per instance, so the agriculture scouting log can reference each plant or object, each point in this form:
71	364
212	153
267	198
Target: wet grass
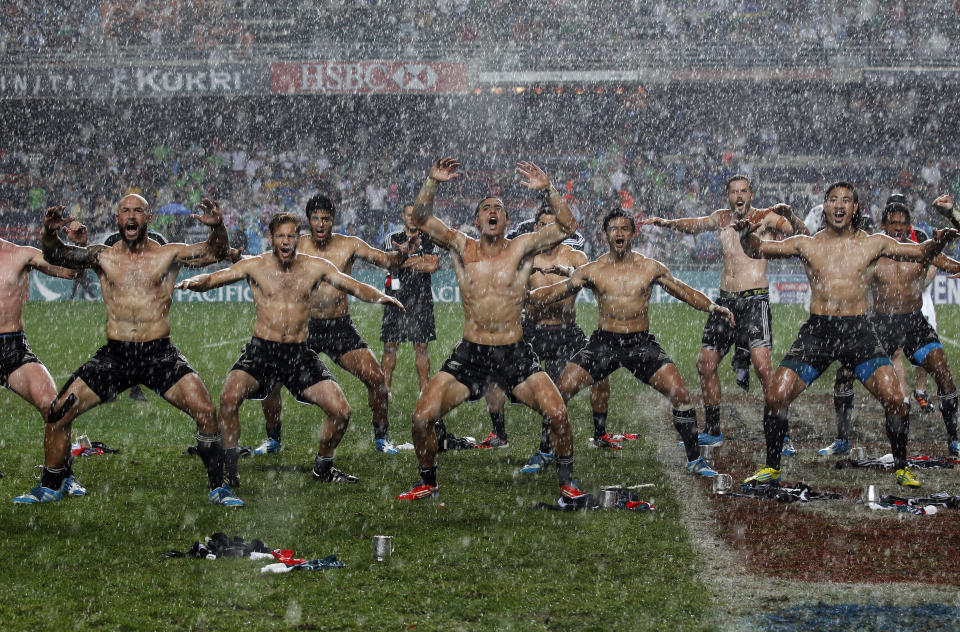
479	558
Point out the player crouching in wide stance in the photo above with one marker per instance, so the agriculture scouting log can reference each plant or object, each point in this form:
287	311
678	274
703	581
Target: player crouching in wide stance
836	261
623	280
282	282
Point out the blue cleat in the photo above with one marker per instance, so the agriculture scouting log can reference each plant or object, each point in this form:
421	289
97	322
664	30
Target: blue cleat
788	448
39	494
700	467
537	462
269	446
384	445
839	446
72	487
954	448
223	496
709	439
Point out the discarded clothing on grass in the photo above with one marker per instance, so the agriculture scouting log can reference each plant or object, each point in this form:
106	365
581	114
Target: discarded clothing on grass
939	499
904	508
222	545
330	561
95	448
800	492
626	499
885	462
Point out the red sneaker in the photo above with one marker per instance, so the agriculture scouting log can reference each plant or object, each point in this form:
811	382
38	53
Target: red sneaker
418	491
493	441
626	436
571	491
605	442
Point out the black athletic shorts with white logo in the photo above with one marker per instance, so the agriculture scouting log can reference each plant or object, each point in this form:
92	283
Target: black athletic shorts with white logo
478	366
14	353
639	353
911	332
334	336
850	340
554	344
414	325
293	364
751	312
118	365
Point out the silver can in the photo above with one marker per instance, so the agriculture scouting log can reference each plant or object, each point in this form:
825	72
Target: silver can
382	547
869	494
609	498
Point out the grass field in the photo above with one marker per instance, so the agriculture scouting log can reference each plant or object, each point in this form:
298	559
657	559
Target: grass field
480	559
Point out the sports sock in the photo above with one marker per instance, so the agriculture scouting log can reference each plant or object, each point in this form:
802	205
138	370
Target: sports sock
599	425
210	449
231	457
381	432
843	406
275	432
545	446
52	478
711	423
322	464
898	429
948	407
685	421
499	424
429	475
565	469
774	430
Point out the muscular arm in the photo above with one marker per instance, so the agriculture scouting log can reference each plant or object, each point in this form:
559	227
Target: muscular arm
441	234
351	286
695	299
783	212
564	226
38	263
204	282
757	248
215	248
924	253
377	257
559	291
689	225
424	263
946	264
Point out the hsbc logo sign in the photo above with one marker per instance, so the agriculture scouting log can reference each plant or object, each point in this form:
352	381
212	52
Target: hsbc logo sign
370	77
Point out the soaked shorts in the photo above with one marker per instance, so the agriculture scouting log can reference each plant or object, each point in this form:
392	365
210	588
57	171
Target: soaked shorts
554	344
850	340
414	325
478	366
14	353
639	353
911	332
751	311
334	336
292	364
118	365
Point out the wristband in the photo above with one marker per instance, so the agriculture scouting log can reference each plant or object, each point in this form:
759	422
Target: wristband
713	307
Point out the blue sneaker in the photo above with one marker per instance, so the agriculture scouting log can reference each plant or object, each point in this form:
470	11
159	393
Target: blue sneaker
709	439
223	496
839	446
954	448
788	448
537	462
384	445
39	494
269	446
72	487
700	467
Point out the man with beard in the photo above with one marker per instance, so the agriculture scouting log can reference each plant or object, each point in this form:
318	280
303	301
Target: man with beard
623	280
282	282
744	289
20	370
493	273
836	261
137	276
331	329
